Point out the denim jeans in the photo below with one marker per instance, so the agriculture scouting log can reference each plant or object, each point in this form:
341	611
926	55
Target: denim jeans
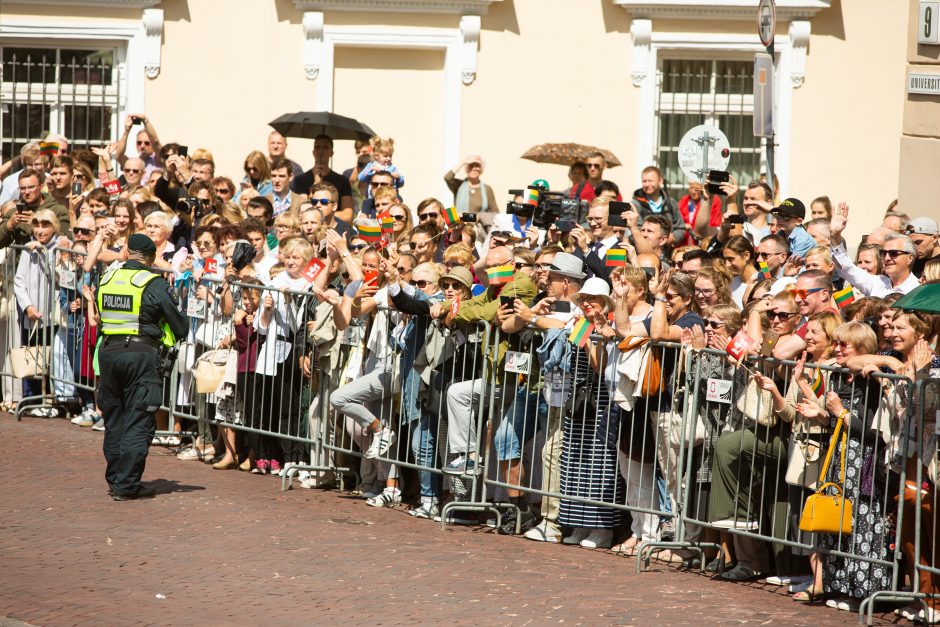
520	422
423	440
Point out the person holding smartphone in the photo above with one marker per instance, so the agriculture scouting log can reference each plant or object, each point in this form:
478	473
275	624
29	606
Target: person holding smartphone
16	225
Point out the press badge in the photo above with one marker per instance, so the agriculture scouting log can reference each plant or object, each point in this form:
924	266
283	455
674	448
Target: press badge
718	391
195	308
556	389
517	362
66	279
350	336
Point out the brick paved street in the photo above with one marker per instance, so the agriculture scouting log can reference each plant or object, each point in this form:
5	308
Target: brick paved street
218	548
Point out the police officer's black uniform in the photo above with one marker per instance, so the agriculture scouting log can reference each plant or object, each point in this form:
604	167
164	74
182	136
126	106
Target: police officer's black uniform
130	389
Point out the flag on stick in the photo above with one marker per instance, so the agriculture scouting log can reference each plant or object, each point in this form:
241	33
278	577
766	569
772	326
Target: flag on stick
581	332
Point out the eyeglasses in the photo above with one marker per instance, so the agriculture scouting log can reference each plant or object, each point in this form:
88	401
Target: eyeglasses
421	284
204	244
593	166
703	292
132	171
399	218
713	324
780	315
379	184
424	217
80	231
451	285
521	264
321	201
222	191
403	270
596	220
357	247
802	294
893	254
542	267
766	255
281	227
841	344
30	188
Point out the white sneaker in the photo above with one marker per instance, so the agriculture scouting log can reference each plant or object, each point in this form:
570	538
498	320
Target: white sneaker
317	481
389	498
192	453
599	539
381	442
579	533
427	509
744	525
80	417
98	426
788	580
845	604
545	531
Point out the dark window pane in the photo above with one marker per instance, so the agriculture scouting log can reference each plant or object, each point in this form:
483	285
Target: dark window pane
88	125
28	65
87	67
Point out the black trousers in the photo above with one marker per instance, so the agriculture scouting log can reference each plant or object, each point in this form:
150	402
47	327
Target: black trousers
129	393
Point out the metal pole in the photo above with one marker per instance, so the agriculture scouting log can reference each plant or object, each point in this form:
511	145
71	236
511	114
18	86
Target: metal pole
771	140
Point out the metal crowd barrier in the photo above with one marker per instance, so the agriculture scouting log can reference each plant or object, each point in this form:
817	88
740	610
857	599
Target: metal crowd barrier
579	435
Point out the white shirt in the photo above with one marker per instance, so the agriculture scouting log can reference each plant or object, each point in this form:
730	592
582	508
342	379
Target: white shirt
879	285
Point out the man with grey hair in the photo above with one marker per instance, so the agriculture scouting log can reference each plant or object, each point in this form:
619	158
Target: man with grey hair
133	171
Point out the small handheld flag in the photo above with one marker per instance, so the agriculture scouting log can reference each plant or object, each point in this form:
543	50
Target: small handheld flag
388	222
48	148
500	274
532	196
616	258
370	232
844	297
581	332
818	385
451	217
764	269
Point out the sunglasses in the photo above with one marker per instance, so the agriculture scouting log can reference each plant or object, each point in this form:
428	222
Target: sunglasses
80	231
802	294
451	285
132	170
841	344
766	255
143	143
379	184
521	264
894	254
404	270
427	216
321	201
419	284
780	315
357	247
399	218
223	191
593	166
713	324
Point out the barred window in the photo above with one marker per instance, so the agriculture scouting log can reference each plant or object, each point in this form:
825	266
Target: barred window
67	90
706	91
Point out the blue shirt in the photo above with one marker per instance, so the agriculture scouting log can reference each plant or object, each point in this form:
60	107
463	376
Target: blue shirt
801	242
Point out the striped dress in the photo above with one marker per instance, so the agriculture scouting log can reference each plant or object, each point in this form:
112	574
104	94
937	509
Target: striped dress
588	464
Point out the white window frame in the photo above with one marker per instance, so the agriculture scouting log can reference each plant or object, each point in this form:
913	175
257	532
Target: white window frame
128	40
713	45
449	40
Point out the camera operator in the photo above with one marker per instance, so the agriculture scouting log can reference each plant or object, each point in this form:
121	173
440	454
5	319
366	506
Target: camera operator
198	202
16	227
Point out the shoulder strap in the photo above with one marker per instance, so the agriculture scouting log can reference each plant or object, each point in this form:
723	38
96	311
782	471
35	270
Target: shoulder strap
832	445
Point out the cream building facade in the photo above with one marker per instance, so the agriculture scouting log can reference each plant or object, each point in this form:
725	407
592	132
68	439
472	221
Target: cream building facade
446	78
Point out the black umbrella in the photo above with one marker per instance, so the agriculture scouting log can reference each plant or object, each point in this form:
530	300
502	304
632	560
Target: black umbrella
309	124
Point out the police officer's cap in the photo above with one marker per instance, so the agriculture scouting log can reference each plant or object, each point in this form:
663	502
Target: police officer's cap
141	244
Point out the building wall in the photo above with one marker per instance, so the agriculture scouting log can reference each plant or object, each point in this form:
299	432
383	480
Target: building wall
548	71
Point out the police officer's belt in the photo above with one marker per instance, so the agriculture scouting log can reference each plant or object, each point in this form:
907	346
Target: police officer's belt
132	339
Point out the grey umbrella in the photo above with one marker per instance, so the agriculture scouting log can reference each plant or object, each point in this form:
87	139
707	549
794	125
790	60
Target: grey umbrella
309	124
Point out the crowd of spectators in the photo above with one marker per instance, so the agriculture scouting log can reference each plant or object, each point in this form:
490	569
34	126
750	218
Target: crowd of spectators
391	282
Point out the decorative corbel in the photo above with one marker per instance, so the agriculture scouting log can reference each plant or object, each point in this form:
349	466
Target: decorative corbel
641	32
153	34
313	40
470	31
799	42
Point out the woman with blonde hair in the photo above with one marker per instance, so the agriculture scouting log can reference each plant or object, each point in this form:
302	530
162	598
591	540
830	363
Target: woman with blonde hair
232	212
257	175
158	226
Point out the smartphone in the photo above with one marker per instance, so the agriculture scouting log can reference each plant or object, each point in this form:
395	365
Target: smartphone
715	179
565	226
184	151
76	189
616	210
136	120
506	301
21	207
736	219
370	277
561	306
468	218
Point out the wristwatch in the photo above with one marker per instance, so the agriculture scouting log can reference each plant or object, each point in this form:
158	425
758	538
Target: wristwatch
662	299
344	253
535	319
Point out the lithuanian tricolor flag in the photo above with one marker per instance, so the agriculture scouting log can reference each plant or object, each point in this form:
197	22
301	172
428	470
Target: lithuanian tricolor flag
370	232
532	196
764	269
818	387
616	258
844	297
48	148
451	217
387	221
581	332
500	274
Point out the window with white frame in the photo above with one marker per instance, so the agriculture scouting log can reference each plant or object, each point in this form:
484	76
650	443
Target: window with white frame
695	91
72	90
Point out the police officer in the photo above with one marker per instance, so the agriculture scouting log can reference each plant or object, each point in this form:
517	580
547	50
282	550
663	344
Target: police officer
139	318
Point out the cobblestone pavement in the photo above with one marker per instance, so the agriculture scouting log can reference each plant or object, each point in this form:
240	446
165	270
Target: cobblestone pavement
222	548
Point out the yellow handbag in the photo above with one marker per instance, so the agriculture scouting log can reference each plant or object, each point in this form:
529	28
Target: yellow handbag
829	513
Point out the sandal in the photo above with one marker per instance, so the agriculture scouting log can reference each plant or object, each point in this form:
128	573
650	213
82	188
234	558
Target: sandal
740	573
627	547
809	595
